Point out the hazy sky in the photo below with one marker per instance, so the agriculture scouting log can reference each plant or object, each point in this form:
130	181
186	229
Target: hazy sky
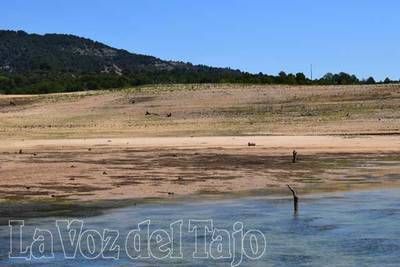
359	36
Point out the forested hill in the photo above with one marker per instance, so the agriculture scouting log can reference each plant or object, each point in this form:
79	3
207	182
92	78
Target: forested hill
32	63
23	53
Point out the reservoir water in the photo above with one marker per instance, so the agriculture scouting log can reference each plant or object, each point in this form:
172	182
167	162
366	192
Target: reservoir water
341	229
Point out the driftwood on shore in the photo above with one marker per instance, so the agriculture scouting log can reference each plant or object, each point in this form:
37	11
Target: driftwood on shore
294	156
151	113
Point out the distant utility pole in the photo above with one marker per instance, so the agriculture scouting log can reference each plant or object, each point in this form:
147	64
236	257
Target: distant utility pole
311	72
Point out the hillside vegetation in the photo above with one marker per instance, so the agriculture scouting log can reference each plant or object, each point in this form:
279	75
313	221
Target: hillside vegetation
32	63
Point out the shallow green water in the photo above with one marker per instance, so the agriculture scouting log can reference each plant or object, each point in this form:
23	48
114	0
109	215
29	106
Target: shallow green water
347	229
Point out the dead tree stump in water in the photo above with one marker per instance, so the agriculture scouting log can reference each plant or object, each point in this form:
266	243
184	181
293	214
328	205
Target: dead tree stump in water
295	200
294	156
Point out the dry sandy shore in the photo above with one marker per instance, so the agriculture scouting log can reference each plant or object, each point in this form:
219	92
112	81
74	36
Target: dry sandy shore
128	168
203	110
180	140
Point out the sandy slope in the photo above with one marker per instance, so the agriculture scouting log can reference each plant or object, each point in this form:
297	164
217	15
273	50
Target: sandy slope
332	144
124	144
204	110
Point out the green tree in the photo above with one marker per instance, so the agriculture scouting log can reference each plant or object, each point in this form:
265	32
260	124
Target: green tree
6	84
387	80
301	78
370	80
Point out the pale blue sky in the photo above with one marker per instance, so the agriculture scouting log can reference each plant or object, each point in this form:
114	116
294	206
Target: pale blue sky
359	36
